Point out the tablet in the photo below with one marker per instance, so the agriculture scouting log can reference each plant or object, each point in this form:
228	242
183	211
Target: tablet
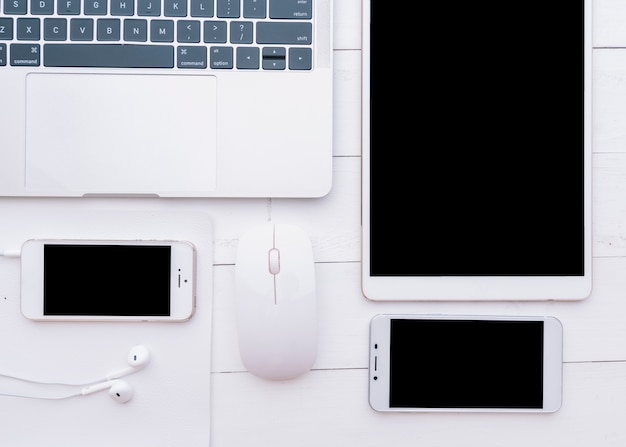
476	163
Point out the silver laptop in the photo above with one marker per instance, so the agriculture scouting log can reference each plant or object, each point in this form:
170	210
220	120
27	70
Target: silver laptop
169	98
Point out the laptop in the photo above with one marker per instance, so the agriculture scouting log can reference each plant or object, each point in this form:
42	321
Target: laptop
167	98
477	175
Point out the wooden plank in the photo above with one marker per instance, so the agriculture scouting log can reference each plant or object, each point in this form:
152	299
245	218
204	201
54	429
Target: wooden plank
609	17
594	329
330	408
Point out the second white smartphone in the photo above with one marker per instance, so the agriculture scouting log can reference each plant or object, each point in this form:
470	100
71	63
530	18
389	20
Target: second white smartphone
465	363
95	280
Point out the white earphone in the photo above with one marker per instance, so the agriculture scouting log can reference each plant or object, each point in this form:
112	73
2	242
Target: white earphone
138	357
119	390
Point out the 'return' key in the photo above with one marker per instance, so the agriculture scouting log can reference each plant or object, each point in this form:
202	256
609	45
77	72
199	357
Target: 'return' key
291	9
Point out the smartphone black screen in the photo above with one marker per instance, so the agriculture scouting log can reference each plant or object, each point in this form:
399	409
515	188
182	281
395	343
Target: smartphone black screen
107	280
477	139
466	364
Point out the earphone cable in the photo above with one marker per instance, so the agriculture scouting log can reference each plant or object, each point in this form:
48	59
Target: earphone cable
43	382
24	396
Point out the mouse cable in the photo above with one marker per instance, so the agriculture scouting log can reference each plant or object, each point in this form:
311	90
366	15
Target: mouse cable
11	253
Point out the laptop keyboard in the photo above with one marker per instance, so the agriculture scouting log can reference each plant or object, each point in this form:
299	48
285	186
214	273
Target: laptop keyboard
176	34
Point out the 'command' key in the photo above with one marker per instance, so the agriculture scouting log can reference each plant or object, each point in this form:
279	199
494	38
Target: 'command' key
25	55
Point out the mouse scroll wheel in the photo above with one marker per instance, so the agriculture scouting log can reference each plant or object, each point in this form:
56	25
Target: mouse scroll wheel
274	261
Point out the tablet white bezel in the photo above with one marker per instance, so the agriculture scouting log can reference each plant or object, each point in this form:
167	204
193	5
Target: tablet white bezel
182	280
473	288
379	362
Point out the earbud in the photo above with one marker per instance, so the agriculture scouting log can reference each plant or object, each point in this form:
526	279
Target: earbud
119	390
138	357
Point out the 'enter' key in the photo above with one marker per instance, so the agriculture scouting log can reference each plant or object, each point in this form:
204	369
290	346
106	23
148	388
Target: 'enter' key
291	9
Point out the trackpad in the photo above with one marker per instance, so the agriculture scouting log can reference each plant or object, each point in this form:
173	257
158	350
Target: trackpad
120	134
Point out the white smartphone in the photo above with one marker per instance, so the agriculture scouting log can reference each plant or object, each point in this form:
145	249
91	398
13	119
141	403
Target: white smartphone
439	363
91	280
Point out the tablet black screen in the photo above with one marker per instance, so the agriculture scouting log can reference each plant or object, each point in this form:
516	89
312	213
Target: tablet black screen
477	151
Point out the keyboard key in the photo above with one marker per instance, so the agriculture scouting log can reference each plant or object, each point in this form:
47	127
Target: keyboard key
221	57
6	29
286	33
228	8
108	29
27	29
3	54
55	29
81	29
291	9
122	7
191	57
150	8
300	59
254	9
162	31
175	8
214	32
202	8
273	64
136	30
274	58
108	55
42	7
96	7
241	32
68	7
15	6
188	31
24	55
248	58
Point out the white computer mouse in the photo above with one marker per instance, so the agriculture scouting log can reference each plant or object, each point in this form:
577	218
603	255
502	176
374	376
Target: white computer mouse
276	301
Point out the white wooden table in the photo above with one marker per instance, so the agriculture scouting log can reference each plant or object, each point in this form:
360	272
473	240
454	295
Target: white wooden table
328	406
